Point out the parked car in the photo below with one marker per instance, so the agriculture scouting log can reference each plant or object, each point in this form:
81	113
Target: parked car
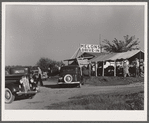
44	76
19	82
34	71
109	71
70	74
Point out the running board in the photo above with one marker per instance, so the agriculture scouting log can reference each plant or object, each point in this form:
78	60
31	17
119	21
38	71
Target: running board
28	92
68	83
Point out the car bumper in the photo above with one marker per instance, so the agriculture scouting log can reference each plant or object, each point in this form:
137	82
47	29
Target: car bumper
68	83
28	92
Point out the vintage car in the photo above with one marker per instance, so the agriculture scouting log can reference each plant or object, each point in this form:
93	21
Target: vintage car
70	74
44	76
34	71
19	82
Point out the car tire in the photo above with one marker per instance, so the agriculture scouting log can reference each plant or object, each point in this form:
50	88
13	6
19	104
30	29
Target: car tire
82	83
31	96
68	76
9	97
79	86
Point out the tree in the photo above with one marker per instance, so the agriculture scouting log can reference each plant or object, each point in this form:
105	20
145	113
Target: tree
44	63
128	44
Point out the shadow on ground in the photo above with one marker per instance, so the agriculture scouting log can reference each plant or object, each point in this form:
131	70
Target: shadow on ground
54	86
24	97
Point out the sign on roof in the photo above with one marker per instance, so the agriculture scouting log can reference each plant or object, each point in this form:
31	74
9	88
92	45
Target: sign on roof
92	48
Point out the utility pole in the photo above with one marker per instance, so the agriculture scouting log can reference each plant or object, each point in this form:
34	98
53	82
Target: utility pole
100	42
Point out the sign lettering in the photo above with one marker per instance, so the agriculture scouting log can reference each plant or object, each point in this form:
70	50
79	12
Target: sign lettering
92	48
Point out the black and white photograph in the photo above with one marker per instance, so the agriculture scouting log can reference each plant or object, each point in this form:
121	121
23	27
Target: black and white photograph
74	61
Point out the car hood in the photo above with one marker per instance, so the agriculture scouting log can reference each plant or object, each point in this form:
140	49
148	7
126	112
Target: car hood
14	76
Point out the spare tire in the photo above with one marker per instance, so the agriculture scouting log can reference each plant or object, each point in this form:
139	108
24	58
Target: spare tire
9	97
68	78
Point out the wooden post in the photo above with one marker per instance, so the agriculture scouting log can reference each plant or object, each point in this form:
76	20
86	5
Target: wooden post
123	67
139	57
89	69
103	69
81	70
96	66
114	68
139	63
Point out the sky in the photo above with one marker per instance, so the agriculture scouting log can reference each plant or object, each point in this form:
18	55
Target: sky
56	31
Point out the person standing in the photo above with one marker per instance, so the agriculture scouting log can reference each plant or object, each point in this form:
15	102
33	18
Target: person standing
141	68
39	77
93	70
49	71
89	69
137	67
126	68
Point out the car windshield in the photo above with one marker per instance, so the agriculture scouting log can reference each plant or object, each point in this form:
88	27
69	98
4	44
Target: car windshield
67	69
34	68
35	71
17	71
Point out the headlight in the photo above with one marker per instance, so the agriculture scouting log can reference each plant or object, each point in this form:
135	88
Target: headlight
22	79
60	78
32	80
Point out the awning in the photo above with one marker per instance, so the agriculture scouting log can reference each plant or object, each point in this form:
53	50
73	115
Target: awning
115	56
103	57
70	59
125	55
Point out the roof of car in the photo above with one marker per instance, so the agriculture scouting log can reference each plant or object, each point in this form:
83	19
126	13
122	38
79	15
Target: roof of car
72	66
19	67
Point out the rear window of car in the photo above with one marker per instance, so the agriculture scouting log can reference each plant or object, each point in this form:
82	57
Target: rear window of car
67	69
19	70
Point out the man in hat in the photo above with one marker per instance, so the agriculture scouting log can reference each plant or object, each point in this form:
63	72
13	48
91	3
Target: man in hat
126	68
49	71
39	76
137	67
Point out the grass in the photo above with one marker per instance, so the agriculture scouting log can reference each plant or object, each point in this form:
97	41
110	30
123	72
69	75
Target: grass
115	101
105	80
111	80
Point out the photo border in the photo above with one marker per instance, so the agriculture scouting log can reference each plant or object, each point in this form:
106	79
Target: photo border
55	111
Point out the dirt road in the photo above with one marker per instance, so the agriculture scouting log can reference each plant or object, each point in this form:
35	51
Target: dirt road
51	93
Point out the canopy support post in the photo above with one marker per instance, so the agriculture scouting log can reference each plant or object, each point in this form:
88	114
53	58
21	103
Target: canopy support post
114	68
81	71
96	66
89	69
140	56
103	69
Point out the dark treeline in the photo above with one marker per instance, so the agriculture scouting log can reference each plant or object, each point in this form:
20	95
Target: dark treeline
43	63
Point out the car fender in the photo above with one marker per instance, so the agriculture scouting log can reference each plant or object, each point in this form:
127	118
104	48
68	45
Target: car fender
14	88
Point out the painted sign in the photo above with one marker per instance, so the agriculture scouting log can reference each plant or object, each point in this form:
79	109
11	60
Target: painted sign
90	48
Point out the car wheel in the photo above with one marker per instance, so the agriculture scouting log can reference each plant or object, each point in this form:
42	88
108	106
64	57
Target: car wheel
82	83
9	97
31	96
79	86
68	78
